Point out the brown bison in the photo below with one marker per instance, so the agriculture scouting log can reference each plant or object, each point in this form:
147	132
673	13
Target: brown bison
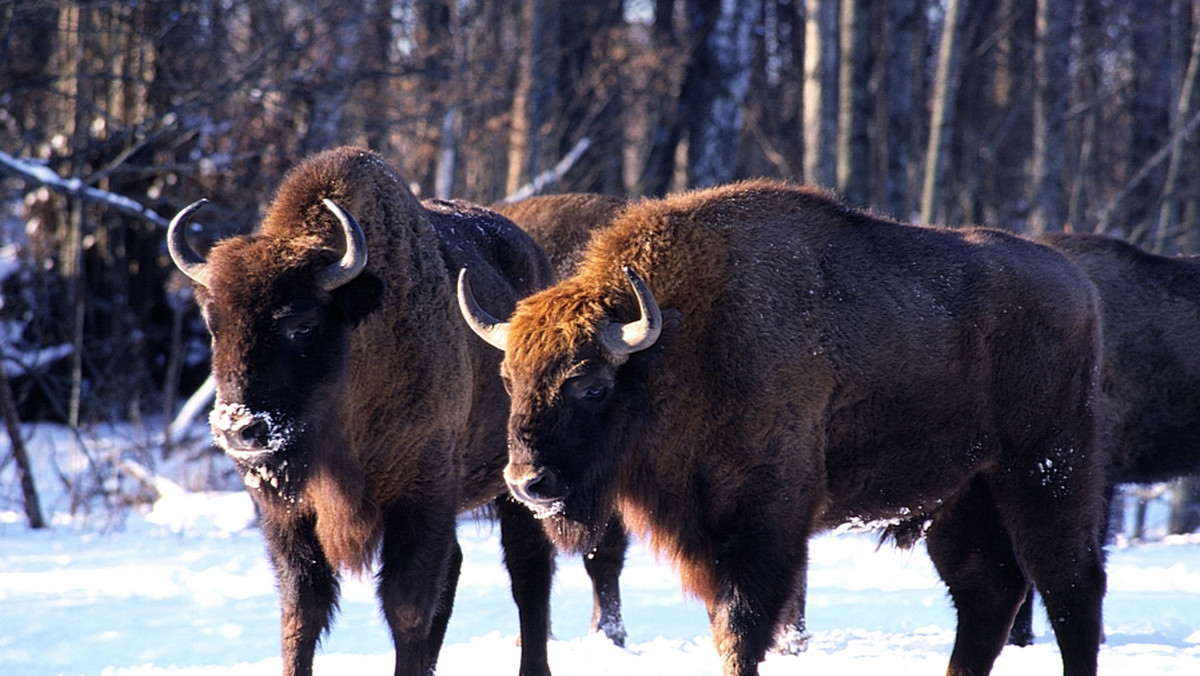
353	399
813	366
561	224
1150	369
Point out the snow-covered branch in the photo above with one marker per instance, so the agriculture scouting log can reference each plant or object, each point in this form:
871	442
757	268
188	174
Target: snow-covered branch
539	183
42	175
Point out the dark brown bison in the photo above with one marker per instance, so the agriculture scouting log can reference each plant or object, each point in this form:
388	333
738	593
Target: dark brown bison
1150	369
562	224
360	410
813	366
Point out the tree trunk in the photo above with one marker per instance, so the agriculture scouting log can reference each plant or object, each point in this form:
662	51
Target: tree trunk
1168	213
1052	54
1185	506
902	69
854	103
715	88
820	91
33	507
942	122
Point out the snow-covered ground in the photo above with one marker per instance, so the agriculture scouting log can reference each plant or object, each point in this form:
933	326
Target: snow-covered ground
185	588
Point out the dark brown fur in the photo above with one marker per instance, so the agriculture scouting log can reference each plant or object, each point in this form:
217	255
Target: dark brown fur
1150	370
385	413
562	225
820	366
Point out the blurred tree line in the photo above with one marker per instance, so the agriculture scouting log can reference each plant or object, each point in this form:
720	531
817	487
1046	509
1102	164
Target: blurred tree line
1030	115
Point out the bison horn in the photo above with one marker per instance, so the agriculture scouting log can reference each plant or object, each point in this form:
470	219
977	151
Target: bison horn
487	327
355	258
625	339
186	258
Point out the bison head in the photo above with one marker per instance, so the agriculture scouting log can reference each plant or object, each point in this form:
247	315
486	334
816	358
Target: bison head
279	310
577	378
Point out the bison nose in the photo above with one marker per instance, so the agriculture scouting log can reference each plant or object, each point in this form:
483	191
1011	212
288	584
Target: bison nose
256	434
239	431
538	488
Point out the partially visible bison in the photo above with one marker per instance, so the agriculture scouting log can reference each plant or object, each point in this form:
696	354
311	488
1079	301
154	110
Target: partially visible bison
813	365
562	224
1150	369
353	399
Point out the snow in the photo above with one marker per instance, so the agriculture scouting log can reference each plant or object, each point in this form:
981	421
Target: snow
185	588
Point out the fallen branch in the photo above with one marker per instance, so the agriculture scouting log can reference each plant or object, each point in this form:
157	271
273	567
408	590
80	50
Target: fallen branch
544	179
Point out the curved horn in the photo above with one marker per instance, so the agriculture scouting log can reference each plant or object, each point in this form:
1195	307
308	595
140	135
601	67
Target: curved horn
355	258
625	339
487	327
186	258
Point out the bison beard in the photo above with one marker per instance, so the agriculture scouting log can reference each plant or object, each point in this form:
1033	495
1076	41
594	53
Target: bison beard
830	367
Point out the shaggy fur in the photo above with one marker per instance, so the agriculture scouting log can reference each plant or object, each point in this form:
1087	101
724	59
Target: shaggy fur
1150	371
381	413
820	366
562	225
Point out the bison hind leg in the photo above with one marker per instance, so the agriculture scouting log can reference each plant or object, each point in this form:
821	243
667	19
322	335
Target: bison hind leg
974	556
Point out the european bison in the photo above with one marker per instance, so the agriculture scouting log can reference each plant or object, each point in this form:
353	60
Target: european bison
1150	369
355	402
815	365
562	224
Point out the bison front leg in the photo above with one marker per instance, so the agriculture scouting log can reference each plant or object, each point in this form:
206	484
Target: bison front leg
308	588
752	585
604	565
419	567
529	557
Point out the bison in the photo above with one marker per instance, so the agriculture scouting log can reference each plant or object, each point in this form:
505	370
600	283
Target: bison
1150	369
562	224
361	412
733	369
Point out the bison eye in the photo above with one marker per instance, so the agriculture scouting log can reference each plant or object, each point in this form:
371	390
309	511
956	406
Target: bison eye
591	389
301	331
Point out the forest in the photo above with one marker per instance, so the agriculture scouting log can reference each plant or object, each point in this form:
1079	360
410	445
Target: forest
1027	115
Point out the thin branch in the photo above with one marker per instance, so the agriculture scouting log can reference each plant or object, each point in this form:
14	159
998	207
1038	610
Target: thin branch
1149	166
38	174
546	178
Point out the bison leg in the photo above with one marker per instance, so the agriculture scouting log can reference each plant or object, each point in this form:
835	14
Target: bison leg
529	557
753	585
418	562
974	556
793	636
1021	634
604	565
308	587
1064	559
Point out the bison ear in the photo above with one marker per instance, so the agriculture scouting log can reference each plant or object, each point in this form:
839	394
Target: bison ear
359	297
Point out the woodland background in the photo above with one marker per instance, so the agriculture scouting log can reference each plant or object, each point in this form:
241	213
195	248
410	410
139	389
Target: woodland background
1029	115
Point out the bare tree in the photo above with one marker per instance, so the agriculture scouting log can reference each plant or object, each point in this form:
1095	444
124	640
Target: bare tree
942	119
1052	59
854	102
820	91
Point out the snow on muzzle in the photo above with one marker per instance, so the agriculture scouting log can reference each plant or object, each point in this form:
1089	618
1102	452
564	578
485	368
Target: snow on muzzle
248	435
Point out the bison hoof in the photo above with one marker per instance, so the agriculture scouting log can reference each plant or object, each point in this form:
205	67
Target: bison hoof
792	641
